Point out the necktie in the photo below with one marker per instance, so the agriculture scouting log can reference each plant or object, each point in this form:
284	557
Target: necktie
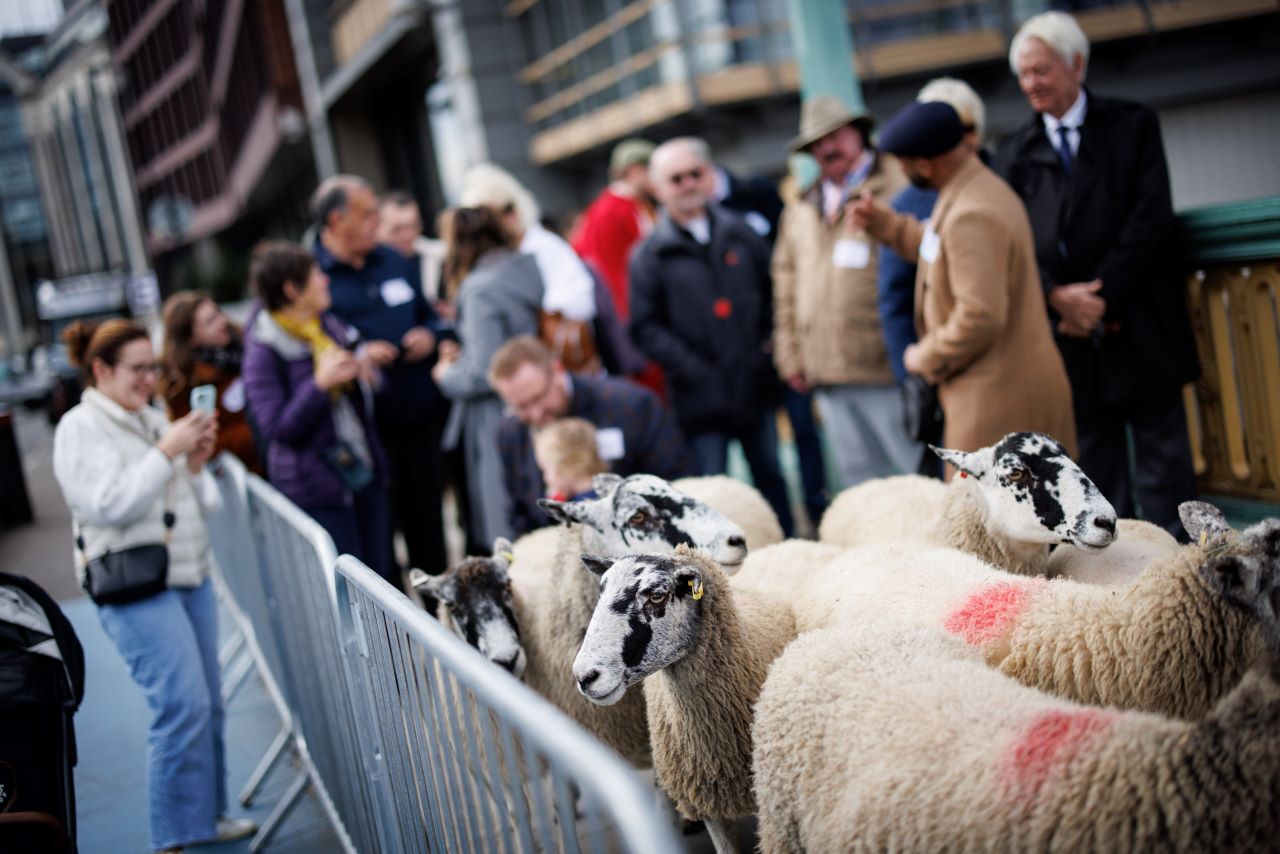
1064	150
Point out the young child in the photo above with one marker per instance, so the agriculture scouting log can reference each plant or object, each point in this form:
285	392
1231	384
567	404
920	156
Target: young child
568	457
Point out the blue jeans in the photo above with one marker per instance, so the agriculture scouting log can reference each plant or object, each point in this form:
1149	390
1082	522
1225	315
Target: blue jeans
760	446
170	642
813	471
364	530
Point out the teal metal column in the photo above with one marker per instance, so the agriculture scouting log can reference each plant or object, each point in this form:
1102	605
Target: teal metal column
824	50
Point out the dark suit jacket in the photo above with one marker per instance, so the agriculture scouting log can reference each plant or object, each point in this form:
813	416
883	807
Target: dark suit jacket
1114	219
756	200
651	441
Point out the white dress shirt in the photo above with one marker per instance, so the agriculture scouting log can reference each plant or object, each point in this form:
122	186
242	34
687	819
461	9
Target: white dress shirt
1072	119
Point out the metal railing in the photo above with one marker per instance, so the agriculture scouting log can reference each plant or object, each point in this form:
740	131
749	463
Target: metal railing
410	739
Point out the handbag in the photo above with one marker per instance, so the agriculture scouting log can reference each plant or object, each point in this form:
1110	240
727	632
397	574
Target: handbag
571	341
130	574
353	471
921	413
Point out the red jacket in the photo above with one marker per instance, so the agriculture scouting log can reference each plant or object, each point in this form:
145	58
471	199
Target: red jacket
605	235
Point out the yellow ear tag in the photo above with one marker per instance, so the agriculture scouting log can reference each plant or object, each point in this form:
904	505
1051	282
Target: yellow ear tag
1204	538
696	586
509	557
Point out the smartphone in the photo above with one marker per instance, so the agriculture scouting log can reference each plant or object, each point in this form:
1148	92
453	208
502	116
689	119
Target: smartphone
204	398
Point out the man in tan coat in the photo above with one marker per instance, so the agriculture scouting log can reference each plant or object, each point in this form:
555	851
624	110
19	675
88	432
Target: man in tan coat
827	333
984	337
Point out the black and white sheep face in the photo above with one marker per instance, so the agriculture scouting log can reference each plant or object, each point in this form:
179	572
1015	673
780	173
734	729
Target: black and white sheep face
1036	493
645	514
1244	568
649	616
475	597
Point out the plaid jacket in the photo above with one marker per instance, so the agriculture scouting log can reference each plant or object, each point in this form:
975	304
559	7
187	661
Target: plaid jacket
652	443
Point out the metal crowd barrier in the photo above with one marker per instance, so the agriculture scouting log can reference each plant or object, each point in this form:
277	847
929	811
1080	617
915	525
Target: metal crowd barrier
410	739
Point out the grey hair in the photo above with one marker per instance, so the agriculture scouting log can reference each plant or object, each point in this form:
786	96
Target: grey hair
332	195
1059	31
695	144
961	97
486	185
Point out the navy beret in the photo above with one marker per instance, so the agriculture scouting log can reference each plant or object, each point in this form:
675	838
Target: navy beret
922	129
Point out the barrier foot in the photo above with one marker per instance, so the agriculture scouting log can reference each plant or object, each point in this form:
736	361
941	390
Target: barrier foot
235	679
269	760
233	645
280	813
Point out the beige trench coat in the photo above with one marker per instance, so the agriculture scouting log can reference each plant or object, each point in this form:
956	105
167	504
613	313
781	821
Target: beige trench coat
980	313
826	323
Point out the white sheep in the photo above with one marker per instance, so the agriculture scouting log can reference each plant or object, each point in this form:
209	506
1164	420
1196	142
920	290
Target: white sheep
1006	505
705	647
552	596
1137	544
882	738
1170	643
740	502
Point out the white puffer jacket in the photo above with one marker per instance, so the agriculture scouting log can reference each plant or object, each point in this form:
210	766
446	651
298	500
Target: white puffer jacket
114	478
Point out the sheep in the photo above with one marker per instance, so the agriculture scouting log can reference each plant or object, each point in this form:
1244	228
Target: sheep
1009	503
474	602
1137	544
553	596
899	738
1170	643
705	648
740	502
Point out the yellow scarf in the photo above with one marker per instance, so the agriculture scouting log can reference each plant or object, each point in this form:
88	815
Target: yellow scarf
312	332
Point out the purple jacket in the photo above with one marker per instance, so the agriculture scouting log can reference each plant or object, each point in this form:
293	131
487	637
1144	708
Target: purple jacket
294	417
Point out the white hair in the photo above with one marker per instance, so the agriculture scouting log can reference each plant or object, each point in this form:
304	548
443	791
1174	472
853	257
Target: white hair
1059	31
694	144
961	97
490	186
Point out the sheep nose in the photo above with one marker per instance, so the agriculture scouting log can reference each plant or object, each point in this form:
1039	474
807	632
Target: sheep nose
507	664
1106	523
737	542
585	680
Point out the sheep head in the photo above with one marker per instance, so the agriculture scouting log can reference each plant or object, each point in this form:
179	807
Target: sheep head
645	514
475	601
649	616
1244	569
1035	492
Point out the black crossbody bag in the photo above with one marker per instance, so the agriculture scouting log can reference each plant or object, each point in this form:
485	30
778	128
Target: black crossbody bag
130	574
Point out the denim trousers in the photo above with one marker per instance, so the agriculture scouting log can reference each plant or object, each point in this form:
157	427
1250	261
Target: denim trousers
760	447
170	642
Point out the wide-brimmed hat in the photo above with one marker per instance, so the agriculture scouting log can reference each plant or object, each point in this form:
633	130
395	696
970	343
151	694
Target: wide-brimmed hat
822	114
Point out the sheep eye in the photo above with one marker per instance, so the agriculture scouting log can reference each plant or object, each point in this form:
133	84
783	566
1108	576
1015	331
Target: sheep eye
638	518
657	598
1019	475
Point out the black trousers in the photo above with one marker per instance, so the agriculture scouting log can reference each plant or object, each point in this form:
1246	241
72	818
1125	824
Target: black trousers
1162	476
417	483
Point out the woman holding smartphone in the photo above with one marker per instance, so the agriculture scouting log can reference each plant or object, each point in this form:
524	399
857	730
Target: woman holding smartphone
133	479
203	347
305	392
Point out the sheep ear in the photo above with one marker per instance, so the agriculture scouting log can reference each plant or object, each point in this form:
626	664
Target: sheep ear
502	552
438	586
1203	522
596	564
1237	578
605	483
587	512
972	463
688	582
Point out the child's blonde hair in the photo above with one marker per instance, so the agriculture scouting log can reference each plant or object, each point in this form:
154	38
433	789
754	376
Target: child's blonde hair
569	446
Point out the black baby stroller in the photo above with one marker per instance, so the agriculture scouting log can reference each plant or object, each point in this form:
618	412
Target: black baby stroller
41	685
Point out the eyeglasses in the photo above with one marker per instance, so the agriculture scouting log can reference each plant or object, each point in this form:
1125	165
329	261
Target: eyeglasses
140	369
522	407
694	174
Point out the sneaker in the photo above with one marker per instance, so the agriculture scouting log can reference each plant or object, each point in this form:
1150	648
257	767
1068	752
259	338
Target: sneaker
231	829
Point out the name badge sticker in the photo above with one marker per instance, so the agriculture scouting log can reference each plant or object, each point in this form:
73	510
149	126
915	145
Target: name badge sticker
396	292
851	254
929	245
610	444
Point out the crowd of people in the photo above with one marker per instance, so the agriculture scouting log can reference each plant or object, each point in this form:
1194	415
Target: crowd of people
1025	289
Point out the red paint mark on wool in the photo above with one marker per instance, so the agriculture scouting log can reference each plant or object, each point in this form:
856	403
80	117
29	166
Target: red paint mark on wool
1050	741
987	614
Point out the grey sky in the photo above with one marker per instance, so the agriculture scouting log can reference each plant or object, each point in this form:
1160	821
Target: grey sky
20	17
